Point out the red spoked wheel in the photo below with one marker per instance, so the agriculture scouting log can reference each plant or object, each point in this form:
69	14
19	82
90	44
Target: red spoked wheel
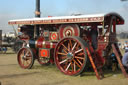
70	55
25	58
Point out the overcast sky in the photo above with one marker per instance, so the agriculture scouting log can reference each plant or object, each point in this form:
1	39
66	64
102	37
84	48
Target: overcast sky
17	9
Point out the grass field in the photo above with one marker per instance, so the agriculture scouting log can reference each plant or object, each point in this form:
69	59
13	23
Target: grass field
12	74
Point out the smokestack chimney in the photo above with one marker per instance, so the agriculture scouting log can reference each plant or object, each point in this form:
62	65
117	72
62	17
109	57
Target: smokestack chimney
37	11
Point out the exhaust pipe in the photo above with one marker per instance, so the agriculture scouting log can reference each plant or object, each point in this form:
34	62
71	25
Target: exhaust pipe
37	14
37	11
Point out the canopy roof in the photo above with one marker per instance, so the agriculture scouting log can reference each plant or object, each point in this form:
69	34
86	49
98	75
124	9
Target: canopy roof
68	19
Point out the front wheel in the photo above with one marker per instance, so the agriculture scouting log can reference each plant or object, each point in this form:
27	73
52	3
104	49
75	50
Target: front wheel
70	55
25	58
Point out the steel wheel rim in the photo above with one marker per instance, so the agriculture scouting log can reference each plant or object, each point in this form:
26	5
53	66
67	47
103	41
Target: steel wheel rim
70	56
25	58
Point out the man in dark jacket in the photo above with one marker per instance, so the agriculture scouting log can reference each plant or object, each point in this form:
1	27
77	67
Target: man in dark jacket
94	35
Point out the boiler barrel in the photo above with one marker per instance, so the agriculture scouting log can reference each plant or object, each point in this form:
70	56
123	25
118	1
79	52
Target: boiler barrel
41	44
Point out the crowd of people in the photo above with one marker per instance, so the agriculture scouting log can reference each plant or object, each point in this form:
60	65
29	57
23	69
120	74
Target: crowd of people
125	56
3	49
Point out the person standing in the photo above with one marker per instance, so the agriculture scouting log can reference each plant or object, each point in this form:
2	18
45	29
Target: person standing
125	60
126	46
94	35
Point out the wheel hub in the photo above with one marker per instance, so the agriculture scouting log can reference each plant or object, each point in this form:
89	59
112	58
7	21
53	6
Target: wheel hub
70	55
23	57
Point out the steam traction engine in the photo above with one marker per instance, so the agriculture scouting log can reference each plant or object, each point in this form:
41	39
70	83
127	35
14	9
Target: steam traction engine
72	42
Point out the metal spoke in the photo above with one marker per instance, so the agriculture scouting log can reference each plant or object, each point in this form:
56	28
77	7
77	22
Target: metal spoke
62	53
74	46
74	67
65	65
70	43
79	57
77	46
21	59
79	54
76	63
28	57
63	57
69	46
68	66
27	62
63	61
23	52
79	61
78	51
24	62
65	51
26	53
65	47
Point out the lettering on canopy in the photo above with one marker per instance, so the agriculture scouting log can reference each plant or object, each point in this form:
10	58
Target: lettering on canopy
55	21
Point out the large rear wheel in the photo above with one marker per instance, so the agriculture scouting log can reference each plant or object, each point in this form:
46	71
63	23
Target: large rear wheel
70	55
25	58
